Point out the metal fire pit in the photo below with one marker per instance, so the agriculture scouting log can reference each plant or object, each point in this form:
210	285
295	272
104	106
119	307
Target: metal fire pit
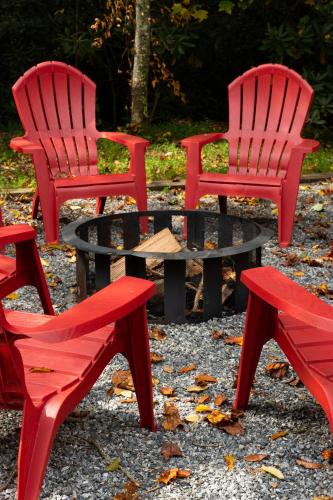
238	243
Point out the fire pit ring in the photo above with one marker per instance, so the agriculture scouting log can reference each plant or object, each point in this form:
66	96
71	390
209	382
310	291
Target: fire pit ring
214	238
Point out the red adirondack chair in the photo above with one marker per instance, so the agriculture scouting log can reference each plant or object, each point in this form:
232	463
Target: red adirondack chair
56	104
299	322
268	106
13	274
48	363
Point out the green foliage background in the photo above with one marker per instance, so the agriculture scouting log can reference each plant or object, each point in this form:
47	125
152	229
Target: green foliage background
198	48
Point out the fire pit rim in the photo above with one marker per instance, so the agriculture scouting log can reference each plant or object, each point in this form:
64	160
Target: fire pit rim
71	237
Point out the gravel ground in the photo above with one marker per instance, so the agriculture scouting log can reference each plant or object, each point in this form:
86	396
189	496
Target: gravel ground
77	471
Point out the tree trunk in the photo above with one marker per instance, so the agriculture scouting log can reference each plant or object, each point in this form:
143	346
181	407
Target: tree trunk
139	111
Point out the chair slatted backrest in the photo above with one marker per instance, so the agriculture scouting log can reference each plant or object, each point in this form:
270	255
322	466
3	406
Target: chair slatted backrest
268	106
56	105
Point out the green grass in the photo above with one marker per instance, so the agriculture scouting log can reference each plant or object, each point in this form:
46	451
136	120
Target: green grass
165	159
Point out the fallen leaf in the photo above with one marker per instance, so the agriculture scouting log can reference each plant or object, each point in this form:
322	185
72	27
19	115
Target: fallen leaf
157	333
312	262
278	435
167	391
203	399
12	296
203	409
155	381
197	388
318	207
44	262
270	469
295	382
210	245
170	449
168	369
255	458
234	428
114	465
128	400
217	417
123	379
277	370
216	335
129	492
183	473
40	369
122	392
234	340
192	419
230	461
156	358
204	379
322	497
298	274
171	417
187	368
328	455
308	465
220	399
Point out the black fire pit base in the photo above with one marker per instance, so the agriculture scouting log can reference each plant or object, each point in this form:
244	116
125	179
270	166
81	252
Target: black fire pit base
217	240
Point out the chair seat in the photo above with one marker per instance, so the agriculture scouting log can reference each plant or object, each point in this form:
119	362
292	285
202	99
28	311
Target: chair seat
93	180
314	346
255	180
69	361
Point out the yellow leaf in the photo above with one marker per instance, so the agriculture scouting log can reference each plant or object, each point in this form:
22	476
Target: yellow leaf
114	465
41	369
230	461
167	369
197	388
192	419
216	417
122	392
13	296
44	262
270	469
298	274
234	340
203	409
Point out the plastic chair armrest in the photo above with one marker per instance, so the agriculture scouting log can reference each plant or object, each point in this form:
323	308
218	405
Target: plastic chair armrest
285	295
201	139
124	139
16	234
110	304
23	145
307	146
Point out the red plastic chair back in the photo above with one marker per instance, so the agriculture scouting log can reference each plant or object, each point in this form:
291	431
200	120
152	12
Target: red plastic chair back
268	106
56	104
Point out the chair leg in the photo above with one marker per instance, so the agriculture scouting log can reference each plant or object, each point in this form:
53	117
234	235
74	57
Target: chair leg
51	213
100	204
259	328
286	213
141	201
37	435
35	205
138	355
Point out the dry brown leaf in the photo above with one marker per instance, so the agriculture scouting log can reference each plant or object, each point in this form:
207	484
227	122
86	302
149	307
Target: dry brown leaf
278	435
274	471
129	492
167	369
230	461
40	369
196	388
156	358
204	379
183	473
322	497
234	428
123	379
308	465
170	449
234	340
167	391
217	335
220	399
255	458
290	259
122	392
312	262
157	333
155	381
187	368
171	417
295	382
277	370
328	455
210	245
128	400
203	399
298	274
